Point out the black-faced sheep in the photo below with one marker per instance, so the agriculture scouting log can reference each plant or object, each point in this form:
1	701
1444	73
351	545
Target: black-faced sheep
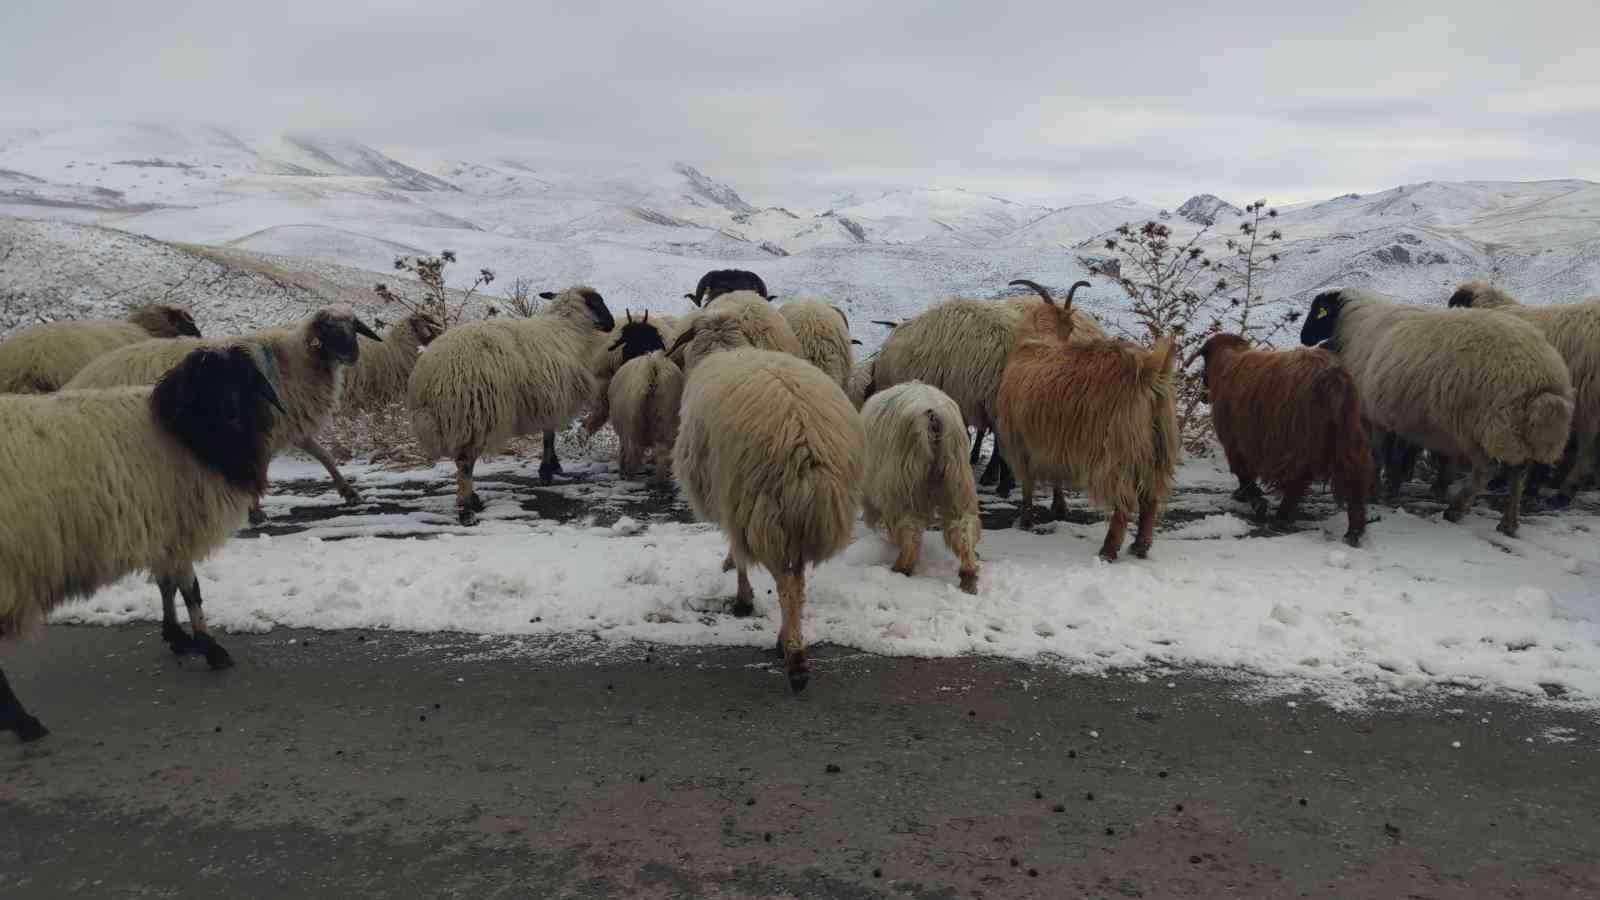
307	362
484	383
717	282
1099	415
43	358
103	483
770	450
619	350
1289	418
1574	330
644	395
1473	384
917	472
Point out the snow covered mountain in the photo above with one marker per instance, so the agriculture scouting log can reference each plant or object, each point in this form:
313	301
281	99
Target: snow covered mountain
644	233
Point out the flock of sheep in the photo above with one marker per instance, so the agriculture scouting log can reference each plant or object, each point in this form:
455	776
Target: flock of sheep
141	446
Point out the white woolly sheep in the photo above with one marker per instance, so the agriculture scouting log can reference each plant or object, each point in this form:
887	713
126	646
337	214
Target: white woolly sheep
742	319
484	383
43	358
917	471
103	483
1098	414
859	386
1574	330
643	335
1474	384
383	368
307	362
824	335
643	398
770	450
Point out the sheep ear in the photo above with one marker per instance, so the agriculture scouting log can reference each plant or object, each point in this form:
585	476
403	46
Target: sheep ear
548	295
856	342
364	331
614	345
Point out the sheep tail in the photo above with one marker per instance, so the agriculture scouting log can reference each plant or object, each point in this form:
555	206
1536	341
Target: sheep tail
1548	421
1161	361
935	443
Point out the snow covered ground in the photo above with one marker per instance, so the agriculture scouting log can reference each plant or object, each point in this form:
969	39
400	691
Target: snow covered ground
1423	607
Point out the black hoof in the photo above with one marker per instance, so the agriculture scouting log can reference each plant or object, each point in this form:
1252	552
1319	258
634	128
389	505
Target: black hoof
466	517
216	657
475	502
29	729
743	608
1451	515
1246	496
1353	539
1507	530
176	639
257	517
799	680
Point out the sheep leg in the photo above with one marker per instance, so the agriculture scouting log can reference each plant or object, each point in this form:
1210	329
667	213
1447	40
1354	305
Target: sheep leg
1002	489
1116	533
350	494
16	719
1444	472
977	446
1293	492
1058	502
1462	501
172	634
203	643
549	465
744	598
1355	502
792	599
663	464
908	536
1510	518
1145	534
991	471
468	503
961	536
1026	520
1582	464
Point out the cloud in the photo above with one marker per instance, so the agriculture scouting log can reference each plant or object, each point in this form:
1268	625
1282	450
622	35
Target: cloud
1041	99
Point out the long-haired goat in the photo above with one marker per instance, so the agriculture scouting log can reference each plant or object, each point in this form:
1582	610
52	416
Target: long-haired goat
1289	418
1098	415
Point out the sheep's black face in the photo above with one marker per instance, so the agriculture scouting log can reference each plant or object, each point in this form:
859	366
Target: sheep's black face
717	282
1321	319
638	339
1462	297
183	323
216	403
596	305
334	335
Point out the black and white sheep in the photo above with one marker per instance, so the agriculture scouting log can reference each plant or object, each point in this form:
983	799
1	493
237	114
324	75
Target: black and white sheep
717	282
1473	384
643	397
103	483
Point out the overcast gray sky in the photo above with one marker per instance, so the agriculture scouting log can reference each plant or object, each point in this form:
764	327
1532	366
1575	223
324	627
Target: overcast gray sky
1039	100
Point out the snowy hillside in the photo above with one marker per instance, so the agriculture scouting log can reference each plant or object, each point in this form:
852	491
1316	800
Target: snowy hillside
643	233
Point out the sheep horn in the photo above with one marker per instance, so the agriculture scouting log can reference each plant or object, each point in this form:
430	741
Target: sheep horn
1073	290
364	331
886	323
684	338
1023	282
1192	357
856	342
646	319
627	314
692	299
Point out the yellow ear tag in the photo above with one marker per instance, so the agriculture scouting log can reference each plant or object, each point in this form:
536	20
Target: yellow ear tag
1322	313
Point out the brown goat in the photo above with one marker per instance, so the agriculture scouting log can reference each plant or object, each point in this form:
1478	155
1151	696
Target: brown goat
1289	418
1096	414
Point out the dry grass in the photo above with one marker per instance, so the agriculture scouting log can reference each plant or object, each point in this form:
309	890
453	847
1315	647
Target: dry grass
385	439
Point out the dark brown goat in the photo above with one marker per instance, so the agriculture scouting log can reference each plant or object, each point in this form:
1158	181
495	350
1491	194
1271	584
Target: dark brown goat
1289	418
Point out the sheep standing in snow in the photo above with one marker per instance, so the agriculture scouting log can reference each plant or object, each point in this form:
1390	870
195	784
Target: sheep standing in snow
484	383
611	357
824	335
1574	330
1474	384
717	282
770	450
383	368
43	358
103	483
643	398
307	362
917	471
961	347
1289	418
1096	414
740	316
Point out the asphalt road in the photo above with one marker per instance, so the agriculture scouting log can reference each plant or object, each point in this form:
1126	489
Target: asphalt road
379	765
